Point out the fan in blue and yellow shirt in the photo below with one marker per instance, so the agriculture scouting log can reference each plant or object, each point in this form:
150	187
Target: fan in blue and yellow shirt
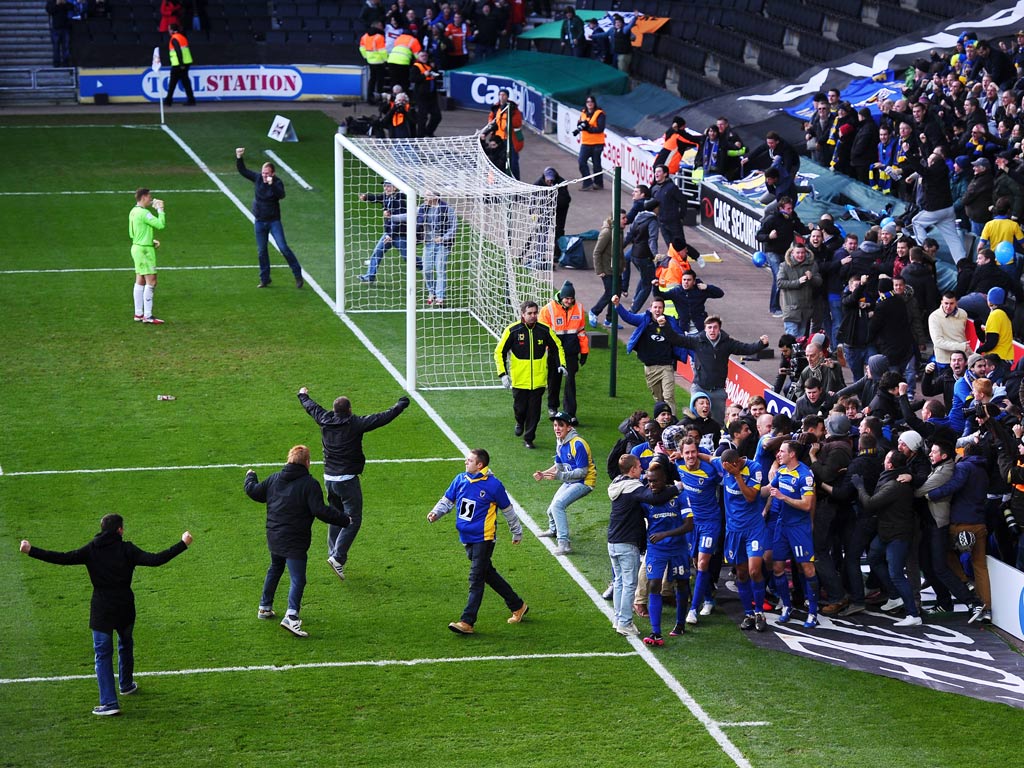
574	466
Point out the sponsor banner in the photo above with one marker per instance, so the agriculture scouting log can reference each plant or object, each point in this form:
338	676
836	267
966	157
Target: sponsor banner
475	91
730	218
636	161
299	82
777	403
1007	597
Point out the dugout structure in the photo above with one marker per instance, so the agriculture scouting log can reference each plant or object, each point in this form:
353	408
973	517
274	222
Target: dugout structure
500	256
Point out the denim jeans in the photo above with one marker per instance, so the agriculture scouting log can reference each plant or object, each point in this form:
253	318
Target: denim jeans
348	495
263	230
297	573
793	329
435	265
606	298
558	521
645	274
482	573
385	244
591	153
625	567
834	318
773	297
894	578
856	360
103	646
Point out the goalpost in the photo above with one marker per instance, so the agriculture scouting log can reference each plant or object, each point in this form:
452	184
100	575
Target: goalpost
458	291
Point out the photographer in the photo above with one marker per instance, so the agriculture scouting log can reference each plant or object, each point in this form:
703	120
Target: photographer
590	129
505	123
791	363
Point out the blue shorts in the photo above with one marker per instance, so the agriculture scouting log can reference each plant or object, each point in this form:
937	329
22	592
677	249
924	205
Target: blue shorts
707	538
793	542
676	562
751	542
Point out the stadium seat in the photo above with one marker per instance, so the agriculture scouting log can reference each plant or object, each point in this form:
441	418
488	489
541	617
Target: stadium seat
799	16
314	24
901	20
776	62
757	27
848	8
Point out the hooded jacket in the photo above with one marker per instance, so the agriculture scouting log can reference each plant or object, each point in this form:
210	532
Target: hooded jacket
893	504
626	524
797	297
343	435
967	487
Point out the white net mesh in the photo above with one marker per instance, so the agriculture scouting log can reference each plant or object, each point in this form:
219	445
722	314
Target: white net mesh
485	242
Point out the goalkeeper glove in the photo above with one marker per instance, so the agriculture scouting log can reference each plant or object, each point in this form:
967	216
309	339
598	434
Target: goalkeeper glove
583	359
562	370
506	381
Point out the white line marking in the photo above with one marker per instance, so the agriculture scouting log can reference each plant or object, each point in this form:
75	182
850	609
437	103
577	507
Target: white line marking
197	268
329	665
110	192
77	127
203	466
273	156
674	685
750	724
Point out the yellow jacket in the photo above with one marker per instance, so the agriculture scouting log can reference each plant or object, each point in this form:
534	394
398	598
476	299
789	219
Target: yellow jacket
526	349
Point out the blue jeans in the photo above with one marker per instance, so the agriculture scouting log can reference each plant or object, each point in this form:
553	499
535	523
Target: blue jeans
793	329
481	574
606	298
297	573
834	318
348	496
773	297
645	274
435	265
625	568
264	229
591	153
385	244
857	359
558	521
103	646
894	578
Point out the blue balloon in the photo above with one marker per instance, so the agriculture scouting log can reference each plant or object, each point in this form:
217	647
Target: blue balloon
1004	253
759	259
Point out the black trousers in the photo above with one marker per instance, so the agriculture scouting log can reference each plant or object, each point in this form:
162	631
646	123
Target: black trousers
179	74
572	365
526	407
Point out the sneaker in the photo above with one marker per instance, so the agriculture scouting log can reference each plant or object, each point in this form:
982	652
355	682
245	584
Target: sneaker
939	610
628	630
153	320
593	319
700	262
677	630
294	625
892	604
609	593
977	613
909	621
986	616
461	628
130	689
263	284
759	622
777	313
546	535
853	609
529	444
551	412
653	639
707	608
299	282
563	549
137	318
812	621
607	323
107	709
368	278
691	617
640	609
265	613
430	299
339	568
786	615
748	623
517	616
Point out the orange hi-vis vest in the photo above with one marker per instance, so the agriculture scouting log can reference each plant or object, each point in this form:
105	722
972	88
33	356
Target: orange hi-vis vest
373	48
172	51
587	137
566	322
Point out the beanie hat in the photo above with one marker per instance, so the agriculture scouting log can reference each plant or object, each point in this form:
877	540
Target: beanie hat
912	440
878	364
996	296
962	160
973	359
660	408
567	291
697	395
891	228
838	425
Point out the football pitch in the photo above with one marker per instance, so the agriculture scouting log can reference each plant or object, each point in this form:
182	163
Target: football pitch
380	681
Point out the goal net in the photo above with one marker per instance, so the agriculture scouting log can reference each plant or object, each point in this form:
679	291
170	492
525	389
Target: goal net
439	248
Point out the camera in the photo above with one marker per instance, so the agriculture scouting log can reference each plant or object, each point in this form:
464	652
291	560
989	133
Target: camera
1011	520
579	128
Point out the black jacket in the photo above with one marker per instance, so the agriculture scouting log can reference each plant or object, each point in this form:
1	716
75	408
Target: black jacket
890	328
626	524
711	361
111	562
293	498
343	435
786	228
893	504
266	199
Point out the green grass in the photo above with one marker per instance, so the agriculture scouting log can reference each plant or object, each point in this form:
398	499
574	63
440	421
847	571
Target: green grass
79	389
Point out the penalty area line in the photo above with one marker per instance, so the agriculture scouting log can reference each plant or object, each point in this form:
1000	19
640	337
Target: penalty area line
110	192
184	467
197	268
332	665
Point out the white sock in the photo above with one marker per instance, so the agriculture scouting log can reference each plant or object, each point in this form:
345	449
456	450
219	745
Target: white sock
147	300
138	299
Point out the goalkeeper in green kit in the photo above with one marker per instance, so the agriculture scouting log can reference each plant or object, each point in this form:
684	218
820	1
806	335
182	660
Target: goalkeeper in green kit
141	223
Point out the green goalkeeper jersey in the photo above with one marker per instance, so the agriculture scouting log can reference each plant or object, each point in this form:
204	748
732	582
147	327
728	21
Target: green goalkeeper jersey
141	224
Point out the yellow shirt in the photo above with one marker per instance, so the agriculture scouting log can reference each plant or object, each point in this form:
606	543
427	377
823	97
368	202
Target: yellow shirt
1001	231
999	322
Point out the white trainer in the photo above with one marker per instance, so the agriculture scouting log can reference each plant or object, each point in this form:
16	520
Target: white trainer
707	608
910	621
691	617
892	604
339	568
294	625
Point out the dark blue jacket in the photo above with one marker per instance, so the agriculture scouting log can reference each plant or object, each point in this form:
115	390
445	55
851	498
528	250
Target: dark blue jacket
642	322
266	199
968	487
690	304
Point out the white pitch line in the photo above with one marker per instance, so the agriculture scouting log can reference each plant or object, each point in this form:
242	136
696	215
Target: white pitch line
750	724
110	192
197	268
712	727
329	665
183	467
301	181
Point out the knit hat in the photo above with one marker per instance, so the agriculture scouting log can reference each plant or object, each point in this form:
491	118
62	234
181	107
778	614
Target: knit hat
878	364
567	291
996	296
550	173
973	359
912	440
660	408
697	395
891	228
885	285
962	160
837	425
